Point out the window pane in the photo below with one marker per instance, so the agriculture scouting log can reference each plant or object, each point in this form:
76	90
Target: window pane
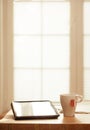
56	18
27	18
27	84
87	84
87	18
56	52
87	51
57	82
27	51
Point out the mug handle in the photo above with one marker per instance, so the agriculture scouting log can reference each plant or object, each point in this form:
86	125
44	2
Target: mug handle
79	98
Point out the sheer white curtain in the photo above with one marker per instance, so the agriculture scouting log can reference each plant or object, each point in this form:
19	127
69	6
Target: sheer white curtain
6	42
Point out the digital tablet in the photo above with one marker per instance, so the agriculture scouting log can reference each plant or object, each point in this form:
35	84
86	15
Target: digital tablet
43	109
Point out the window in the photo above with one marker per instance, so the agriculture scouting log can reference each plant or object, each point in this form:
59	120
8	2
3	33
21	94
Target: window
86	49
48	49
41	49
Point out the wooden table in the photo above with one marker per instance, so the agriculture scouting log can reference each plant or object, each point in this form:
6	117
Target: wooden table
79	122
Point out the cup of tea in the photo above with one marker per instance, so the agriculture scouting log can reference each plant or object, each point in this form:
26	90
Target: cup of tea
69	103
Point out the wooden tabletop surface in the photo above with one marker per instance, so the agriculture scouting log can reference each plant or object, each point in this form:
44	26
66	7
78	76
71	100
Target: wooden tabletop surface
82	118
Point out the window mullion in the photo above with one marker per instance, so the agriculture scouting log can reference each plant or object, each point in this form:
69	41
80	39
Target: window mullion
76	46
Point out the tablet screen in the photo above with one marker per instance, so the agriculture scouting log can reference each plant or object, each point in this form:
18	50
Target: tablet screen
34	109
